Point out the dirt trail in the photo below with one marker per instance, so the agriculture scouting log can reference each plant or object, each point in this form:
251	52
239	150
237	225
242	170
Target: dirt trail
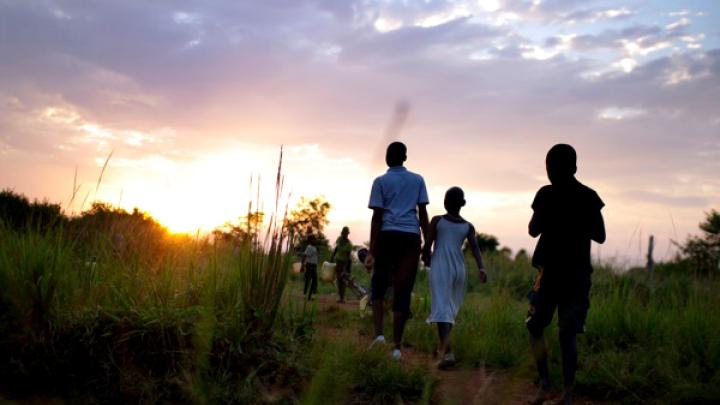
461	386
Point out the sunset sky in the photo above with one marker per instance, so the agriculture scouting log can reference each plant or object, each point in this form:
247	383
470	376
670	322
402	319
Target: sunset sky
195	97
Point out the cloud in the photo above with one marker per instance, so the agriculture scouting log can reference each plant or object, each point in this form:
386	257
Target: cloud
491	86
617	114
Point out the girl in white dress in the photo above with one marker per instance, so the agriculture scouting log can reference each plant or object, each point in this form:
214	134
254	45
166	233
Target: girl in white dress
447	268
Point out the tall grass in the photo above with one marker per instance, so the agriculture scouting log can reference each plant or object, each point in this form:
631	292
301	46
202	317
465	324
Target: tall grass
647	339
199	323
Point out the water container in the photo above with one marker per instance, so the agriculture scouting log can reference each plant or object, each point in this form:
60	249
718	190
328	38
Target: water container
327	272
297	267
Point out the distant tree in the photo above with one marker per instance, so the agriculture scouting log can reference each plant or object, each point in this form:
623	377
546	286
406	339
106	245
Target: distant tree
17	212
308	217
105	229
703	252
247	229
506	251
487	243
522	256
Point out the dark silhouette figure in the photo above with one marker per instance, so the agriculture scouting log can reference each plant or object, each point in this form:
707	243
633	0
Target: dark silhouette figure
309	264
567	217
397	199
343	266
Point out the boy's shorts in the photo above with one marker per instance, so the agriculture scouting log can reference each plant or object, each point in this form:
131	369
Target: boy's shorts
570	297
398	255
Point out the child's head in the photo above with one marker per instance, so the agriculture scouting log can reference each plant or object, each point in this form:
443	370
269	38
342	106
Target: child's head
396	154
561	163
345	232
310	239
454	200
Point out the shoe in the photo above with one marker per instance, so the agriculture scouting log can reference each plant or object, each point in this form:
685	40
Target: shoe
447	361
396	354
379	340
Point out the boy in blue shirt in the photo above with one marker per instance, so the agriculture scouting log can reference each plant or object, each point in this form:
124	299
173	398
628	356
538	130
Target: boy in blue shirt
398	199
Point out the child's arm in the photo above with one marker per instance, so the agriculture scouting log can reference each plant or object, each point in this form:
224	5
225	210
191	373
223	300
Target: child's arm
537	222
475	249
423	219
375	225
304	256
597	227
535	227
430	239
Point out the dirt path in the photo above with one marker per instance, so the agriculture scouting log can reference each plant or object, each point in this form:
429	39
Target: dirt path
459	386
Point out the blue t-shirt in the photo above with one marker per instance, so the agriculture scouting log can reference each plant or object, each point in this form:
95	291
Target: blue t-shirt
399	192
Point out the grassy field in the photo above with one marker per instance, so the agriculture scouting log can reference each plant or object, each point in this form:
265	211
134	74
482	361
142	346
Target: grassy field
206	323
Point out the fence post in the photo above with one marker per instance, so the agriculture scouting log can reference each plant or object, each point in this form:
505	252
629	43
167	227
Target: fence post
650	261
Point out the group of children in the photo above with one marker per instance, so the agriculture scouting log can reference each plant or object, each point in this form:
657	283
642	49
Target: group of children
566	217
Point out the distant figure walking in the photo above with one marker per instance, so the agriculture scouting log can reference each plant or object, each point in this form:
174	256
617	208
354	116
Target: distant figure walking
347	278
566	217
343	251
397	198
447	268
309	264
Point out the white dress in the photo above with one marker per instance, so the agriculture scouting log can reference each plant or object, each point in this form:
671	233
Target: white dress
447	271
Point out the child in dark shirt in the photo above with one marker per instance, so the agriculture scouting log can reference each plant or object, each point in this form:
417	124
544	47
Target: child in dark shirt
567	217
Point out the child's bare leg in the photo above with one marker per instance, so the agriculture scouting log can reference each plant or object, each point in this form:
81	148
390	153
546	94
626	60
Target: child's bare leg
399	319
378	311
539	349
568	347
444	329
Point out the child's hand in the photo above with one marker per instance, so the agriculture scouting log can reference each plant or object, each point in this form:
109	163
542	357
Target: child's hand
369	262
483	276
426	257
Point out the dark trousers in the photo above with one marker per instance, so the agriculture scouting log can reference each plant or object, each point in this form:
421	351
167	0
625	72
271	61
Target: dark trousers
342	268
311	280
346	280
396	265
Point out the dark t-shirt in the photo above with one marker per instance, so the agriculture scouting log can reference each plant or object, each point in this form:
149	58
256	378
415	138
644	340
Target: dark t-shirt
566	216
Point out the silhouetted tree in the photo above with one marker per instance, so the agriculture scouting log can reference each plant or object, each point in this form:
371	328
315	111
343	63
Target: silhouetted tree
703	252
522	256
248	229
104	229
487	243
17	212
308	217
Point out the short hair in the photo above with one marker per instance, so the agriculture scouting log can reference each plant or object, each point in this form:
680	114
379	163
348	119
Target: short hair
396	153
455	194
562	156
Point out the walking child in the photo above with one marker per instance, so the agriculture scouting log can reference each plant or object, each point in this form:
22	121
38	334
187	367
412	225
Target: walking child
398	199
567	218
343	266
343	254
447	268
309	263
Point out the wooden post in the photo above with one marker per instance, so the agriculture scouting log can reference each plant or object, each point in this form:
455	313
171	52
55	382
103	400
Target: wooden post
650	261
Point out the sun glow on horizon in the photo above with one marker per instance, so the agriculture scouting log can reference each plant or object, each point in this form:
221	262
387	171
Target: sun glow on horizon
201	194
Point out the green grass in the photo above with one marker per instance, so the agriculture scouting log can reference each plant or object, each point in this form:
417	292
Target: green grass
211	323
205	323
346	372
646	339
